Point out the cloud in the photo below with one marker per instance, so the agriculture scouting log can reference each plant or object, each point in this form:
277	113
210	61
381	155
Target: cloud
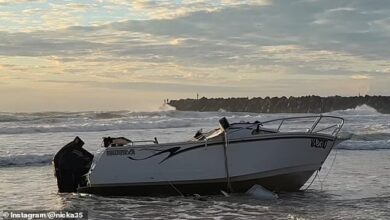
360	77
246	47
11	2
347	30
238	30
155	86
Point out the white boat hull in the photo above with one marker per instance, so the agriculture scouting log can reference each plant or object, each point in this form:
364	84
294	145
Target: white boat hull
278	162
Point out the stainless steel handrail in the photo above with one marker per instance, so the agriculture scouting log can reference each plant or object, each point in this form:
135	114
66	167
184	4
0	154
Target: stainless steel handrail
314	125
155	141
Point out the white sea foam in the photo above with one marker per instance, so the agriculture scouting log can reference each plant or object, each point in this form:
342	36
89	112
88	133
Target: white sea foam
106	121
166	107
88	127
359	110
25	160
364	145
371	136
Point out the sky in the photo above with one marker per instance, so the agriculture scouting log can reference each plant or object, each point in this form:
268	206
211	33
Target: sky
131	55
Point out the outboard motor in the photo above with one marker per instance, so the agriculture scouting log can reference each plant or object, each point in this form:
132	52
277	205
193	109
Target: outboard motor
70	164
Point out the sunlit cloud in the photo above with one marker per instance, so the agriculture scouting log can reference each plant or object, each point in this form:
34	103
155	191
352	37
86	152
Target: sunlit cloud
360	77
13	2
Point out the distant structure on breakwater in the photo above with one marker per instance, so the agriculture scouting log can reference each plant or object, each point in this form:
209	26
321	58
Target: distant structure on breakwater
303	104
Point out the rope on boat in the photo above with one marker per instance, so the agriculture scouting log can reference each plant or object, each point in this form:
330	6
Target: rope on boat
331	166
229	185
312	180
173	186
326	175
176	189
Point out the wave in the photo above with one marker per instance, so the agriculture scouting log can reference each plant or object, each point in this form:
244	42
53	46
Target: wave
47	117
166	107
94	127
371	136
364	145
166	111
25	160
106	121
359	110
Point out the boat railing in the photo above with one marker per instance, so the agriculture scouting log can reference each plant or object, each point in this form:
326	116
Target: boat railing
154	141
334	127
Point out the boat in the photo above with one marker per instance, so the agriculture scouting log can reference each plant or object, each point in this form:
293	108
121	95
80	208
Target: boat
279	154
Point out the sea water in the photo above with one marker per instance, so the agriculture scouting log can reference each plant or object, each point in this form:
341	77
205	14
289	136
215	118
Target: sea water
354	182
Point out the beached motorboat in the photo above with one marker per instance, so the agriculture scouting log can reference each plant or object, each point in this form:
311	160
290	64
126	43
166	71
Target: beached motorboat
275	154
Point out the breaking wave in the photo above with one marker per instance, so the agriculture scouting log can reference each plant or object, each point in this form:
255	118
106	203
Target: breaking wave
359	110
364	145
91	127
25	160
61	116
23	123
371	136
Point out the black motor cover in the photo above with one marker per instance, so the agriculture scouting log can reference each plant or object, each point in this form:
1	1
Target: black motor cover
70	164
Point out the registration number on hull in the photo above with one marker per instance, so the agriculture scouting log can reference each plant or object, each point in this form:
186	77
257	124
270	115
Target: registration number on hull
319	143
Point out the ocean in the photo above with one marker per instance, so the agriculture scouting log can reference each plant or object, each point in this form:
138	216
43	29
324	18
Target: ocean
354	182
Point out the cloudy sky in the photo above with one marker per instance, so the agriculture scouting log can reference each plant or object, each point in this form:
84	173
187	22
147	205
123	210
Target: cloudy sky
116	54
